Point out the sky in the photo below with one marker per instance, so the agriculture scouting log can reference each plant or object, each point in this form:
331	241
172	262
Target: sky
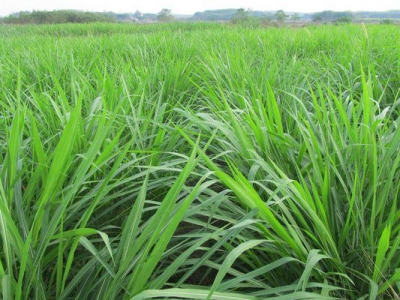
189	7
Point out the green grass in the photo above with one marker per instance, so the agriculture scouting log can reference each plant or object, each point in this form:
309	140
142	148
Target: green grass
199	161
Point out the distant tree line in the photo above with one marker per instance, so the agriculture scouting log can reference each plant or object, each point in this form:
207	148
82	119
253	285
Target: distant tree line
331	16
57	17
235	15
251	18
165	15
348	16
392	14
215	15
238	16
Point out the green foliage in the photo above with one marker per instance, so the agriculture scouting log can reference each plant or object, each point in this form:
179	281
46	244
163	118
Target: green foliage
280	16
387	21
241	16
245	18
343	20
331	16
165	16
57	17
317	18
228	14
199	161
215	15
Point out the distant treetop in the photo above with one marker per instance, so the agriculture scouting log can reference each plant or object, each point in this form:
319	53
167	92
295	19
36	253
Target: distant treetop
57	17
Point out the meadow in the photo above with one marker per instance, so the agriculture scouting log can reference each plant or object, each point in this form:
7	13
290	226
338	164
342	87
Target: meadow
199	161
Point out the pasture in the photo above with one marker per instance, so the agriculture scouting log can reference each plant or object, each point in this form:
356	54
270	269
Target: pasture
199	161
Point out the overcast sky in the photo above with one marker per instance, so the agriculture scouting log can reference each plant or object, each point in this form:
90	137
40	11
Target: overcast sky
190	7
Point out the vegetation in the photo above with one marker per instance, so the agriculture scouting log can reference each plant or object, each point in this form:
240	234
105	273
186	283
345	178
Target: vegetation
215	15
280	16
251	17
241	16
387	21
230	15
391	14
199	161
165	16
343	20
331	16
295	17
57	17
246	18
324	16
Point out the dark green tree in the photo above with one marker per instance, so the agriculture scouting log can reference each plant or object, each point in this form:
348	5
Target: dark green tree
57	17
343	20
317	18
165	15
387	21
280	16
331	16
240	16
138	15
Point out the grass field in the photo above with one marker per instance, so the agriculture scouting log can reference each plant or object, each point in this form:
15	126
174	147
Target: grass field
199	161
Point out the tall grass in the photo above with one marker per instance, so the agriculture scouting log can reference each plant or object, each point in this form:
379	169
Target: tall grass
199	161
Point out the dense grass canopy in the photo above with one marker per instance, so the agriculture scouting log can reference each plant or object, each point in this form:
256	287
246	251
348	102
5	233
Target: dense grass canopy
199	161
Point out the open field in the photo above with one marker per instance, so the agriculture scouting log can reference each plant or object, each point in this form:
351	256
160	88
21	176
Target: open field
199	161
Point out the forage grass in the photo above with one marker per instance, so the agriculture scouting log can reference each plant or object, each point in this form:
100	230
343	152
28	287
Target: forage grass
159	161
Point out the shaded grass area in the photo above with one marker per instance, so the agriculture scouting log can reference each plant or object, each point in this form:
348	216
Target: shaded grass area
199	161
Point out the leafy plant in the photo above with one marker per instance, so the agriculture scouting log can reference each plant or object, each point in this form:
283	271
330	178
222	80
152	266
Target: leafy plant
159	161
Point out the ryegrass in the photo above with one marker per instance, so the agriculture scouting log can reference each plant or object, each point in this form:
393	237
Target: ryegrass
199	161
